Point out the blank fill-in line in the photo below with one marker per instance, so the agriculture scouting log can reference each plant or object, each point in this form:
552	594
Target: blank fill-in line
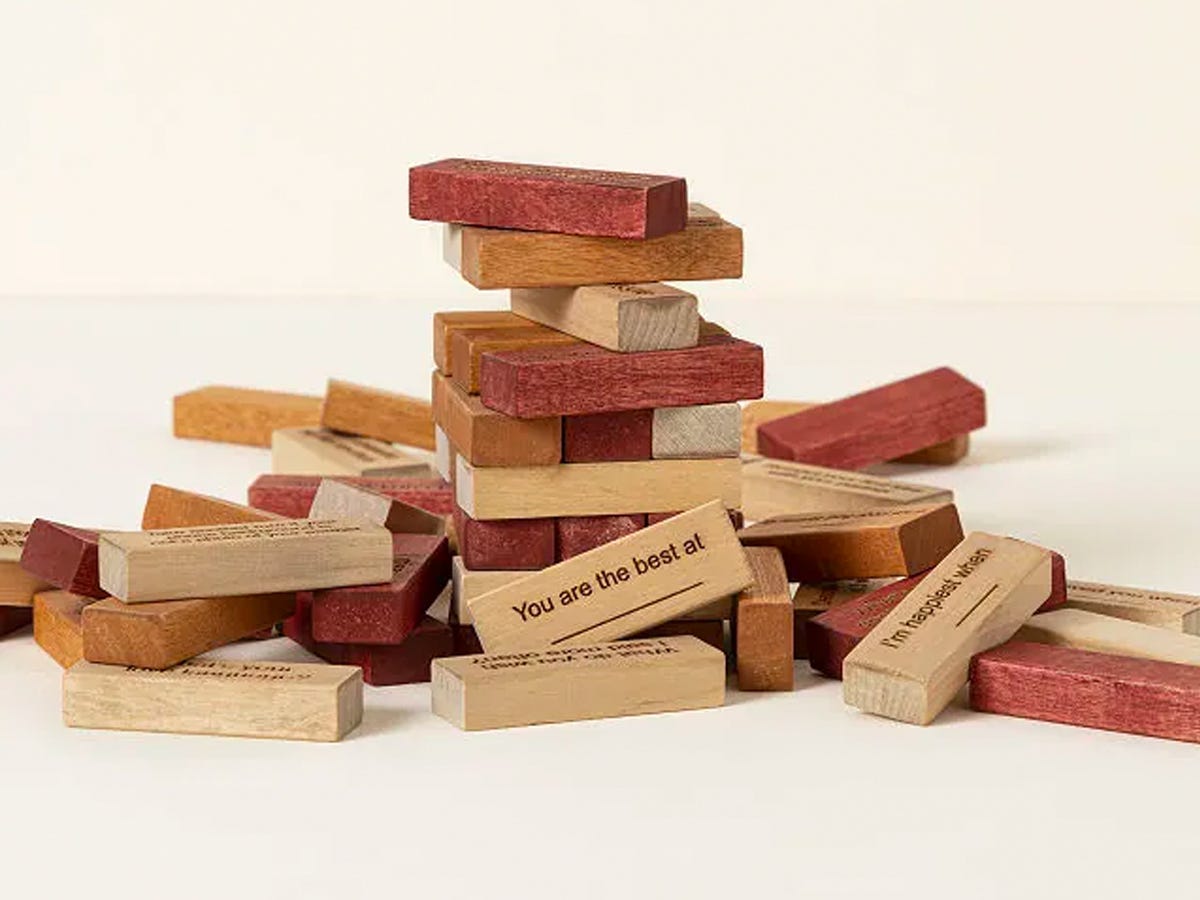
628	612
967	614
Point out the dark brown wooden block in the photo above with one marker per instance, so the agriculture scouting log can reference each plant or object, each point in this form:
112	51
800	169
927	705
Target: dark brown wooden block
14	618
65	557
292	495
579	534
505	543
608	437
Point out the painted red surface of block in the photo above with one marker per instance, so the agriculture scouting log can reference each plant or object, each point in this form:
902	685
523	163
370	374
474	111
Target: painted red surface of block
579	534
609	437
14	618
504	543
66	557
292	495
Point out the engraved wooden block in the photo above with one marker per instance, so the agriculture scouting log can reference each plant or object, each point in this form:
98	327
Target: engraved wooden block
652	576
58	627
374	413
1178	612
879	424
17	587
621	317
588	681
468	583
236	415
292	495
468	347
762	623
447	324
607	437
547	198
14	618
257	557
711	631
866	544
316	451
915	660
579	534
812	600
63	557
1085	630
505	544
339	500
168	507
219	697
831	635
695	432
488	438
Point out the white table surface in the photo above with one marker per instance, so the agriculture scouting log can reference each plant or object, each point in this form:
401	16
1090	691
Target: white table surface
1091	450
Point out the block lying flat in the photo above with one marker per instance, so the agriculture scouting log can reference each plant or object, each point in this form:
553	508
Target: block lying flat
235	415
64	557
57	625
607	437
810	601
317	451
1104	634
338	500
168	507
579	534
17	587
831	635
762	626
292	495
374	413
622	317
468	347
448	324
488	438
1178	612
505	544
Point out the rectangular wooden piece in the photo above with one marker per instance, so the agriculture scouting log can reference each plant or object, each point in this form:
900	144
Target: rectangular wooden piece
235	415
763	625
317	451
622	317
375	413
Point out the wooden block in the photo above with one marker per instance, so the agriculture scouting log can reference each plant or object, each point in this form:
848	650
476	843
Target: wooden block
812	600
236	415
468	583
596	489
447	324
488	438
1085	630
579	534
315	451
1093	690
339	500
385	613
831	635
915	660
581	379
256	557
1178	612
762	623
168	507
17	587
696	432
218	697
63	557
866	544
292	495
622	317
547	198
652	576
58	626
466	641
607	437
492	258
776	487
14	618
588	681
944	453
735	518
505	544
467	348
443	455
879	424
374	413
711	631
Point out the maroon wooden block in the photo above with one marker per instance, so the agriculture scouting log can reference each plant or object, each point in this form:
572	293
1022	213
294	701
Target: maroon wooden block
66	557
547	198
466	640
1095	690
609	437
735	517
879	424
14	618
292	495
1058	583
579	534
504	543
579	379
385	613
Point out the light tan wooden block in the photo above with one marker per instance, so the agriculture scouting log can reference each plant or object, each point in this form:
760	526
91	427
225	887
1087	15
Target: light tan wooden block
168	507
622	317
763	626
338	500
469	583
295	701
58	625
595	489
1099	633
316	451
235	415
910	666
590	681
17	587
374	413
443	455
1178	612
696	432
252	558
447	324
618	589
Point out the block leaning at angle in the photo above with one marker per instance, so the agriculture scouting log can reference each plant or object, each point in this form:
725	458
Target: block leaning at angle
374	413
318	451
1178	612
1105	634
235	415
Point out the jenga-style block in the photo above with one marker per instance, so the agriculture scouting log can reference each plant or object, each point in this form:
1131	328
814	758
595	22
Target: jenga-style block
696	432
505	544
943	453
634	583
621	317
706	249
255	557
58	625
443	454
812	600
64	557
468	583
547	198
339	500
831	635
589	681
14	618
607	437
762	624
17	586
488	438
915	660
468	347
1085	630
292	495
866	544
735	517
235	415
317	451
711	631
447	324
579	534
1178	612
168	507
219	697
375	413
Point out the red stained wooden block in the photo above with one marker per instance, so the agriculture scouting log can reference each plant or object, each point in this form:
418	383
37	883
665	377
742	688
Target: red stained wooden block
609	437
14	618
547	198
1095	690
504	543
877	425
385	613
735	517
68	558
579	534
292	495
580	379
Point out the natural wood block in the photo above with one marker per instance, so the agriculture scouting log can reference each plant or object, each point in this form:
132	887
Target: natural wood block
711	631
1085	630
735	517
250	558
1178	612
316	451
57	625
579	534
443	455
865	544
547	198
17	587
374	413
607	437
1094	690
492	258
812	600
943	453
580	379
622	317
831	635
63	557
236	415
447	324
505	544
915	660
879	424
292	495
468	347
219	697
588	681
338	500
652	576
14	618
696	432
168	507
762	623
468	583
488	438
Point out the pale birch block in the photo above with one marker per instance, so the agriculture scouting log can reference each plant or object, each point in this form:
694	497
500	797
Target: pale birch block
1104	634
317	451
696	432
468	583
622	317
1178	612
17	586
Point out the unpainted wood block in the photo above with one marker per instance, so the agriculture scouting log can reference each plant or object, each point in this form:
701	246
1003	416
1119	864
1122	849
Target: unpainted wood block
621	317
218	697
443	454
829	636
467	348
168	507
468	583
17	586
14	618
488	438
58	625
338	500
607	437
711	631
63	557
915	660
579	534
466	640
1085	630
943	453
292	495
696	432
634	583
762	624
735	518
812	600
384	415
317	451
505	544
1178	612
447	324
235	415
588	681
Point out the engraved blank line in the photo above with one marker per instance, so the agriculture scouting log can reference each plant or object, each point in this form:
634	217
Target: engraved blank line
967	614
628	612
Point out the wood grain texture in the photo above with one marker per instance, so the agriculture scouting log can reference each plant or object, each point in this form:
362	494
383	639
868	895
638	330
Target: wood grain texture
762	626
505	544
1085	630
168	507
1178	612
338	500
384	415
468	583
58	625
17	586
831	635
879	424
579	534
488	438
622	317
696	432
447	324
711	631
607	437
292	495
235	415
14	618
812	600
318	451
64	557
468	347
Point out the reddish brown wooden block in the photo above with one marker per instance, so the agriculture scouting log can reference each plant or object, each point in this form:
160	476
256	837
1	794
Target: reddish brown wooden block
579	534
374	413
547	198
14	618
711	631
235	415
58	625
292	495
485	437
879	424
505	543
581	379
608	437
168	507
468	346
68	558
762	626
447	324
17	587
